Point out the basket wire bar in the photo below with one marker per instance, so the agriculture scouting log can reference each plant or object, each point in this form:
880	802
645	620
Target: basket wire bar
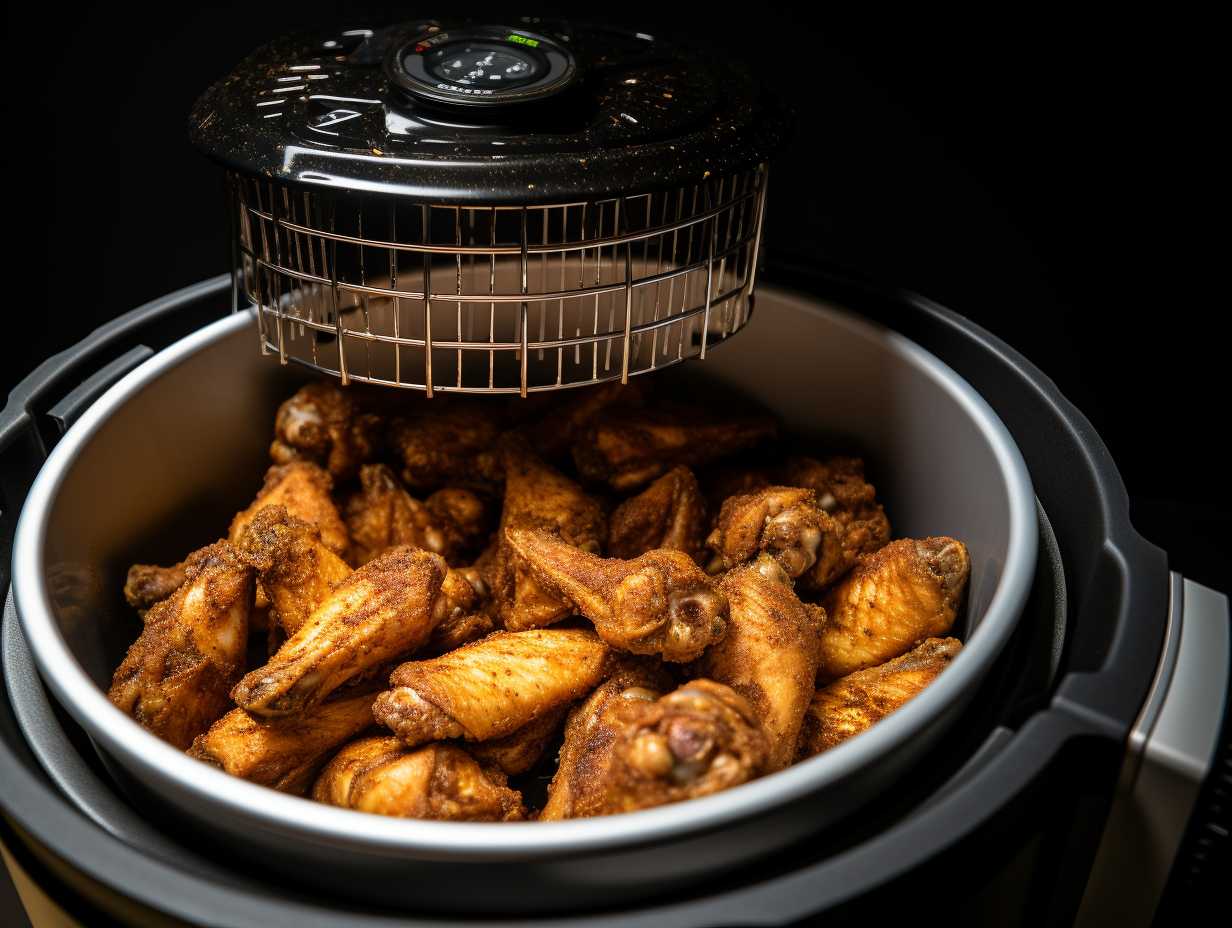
502	299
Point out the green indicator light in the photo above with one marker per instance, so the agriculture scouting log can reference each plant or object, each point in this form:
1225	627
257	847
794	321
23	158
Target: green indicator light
522	40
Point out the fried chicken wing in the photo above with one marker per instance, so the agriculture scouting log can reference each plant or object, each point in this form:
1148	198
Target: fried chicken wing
148	584
295	568
537	497
850	500
283	753
384	609
785	522
303	488
448	442
493	687
907	591
382	515
175	678
670	513
770	653
585	755
563	421
518	752
638	752
440	781
859	700
657	603
322	424
626	448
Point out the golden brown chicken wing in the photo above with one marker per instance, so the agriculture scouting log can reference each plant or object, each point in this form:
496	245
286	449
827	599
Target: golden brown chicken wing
626	448
381	515
908	591
448	441
295	568
284	753
785	522
561	423
303	488
670	513
518	752
657	603
148	584
383	610
322	424
638	753
441	781
850	500
175	678
540	498
493	687
859	700
770	653
585	755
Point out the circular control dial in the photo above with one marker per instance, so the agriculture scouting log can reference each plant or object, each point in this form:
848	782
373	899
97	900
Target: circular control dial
483	64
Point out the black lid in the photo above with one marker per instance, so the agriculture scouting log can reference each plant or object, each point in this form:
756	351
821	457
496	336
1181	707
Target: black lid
545	111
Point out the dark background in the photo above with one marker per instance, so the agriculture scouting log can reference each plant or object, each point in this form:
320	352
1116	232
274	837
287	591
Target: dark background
1044	175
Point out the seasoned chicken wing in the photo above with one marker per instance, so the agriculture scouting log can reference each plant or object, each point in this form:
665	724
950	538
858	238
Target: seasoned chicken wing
518	752
175	678
657	603
441	781
322	424
295	568
448	441
537	497
585	755
859	700
384	609
785	522
626	448
381	515
563	421
303	488
670	513
639	752
770	653
850	500
283	753
907	591
493	687
148	584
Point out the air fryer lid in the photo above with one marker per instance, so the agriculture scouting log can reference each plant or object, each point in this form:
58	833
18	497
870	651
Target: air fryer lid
459	112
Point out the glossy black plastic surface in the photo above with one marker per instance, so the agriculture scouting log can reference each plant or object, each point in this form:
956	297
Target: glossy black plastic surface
605	112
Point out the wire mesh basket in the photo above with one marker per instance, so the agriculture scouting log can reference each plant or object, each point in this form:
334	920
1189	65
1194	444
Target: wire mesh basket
496	299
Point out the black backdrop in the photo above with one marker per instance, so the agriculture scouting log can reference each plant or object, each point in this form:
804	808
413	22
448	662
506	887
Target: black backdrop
1038	173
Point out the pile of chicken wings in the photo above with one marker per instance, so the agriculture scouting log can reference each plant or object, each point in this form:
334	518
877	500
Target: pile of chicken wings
644	602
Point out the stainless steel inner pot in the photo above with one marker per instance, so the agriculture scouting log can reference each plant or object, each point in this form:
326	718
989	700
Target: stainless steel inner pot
160	463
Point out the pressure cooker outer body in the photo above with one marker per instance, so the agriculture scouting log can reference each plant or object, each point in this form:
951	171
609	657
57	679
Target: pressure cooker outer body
1045	754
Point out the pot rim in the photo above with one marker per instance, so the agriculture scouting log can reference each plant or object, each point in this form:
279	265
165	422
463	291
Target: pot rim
294	817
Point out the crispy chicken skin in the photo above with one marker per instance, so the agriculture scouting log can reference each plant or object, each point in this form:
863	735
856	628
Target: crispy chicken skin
539	497
303	488
518	752
657	603
440	781
384	609
859	700
784	522
381	515
585	755
670	513
285	753
627	448
556	431
448	441
770	653
295	568
907	591
850	500
493	687
321	423
641	752
175	678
